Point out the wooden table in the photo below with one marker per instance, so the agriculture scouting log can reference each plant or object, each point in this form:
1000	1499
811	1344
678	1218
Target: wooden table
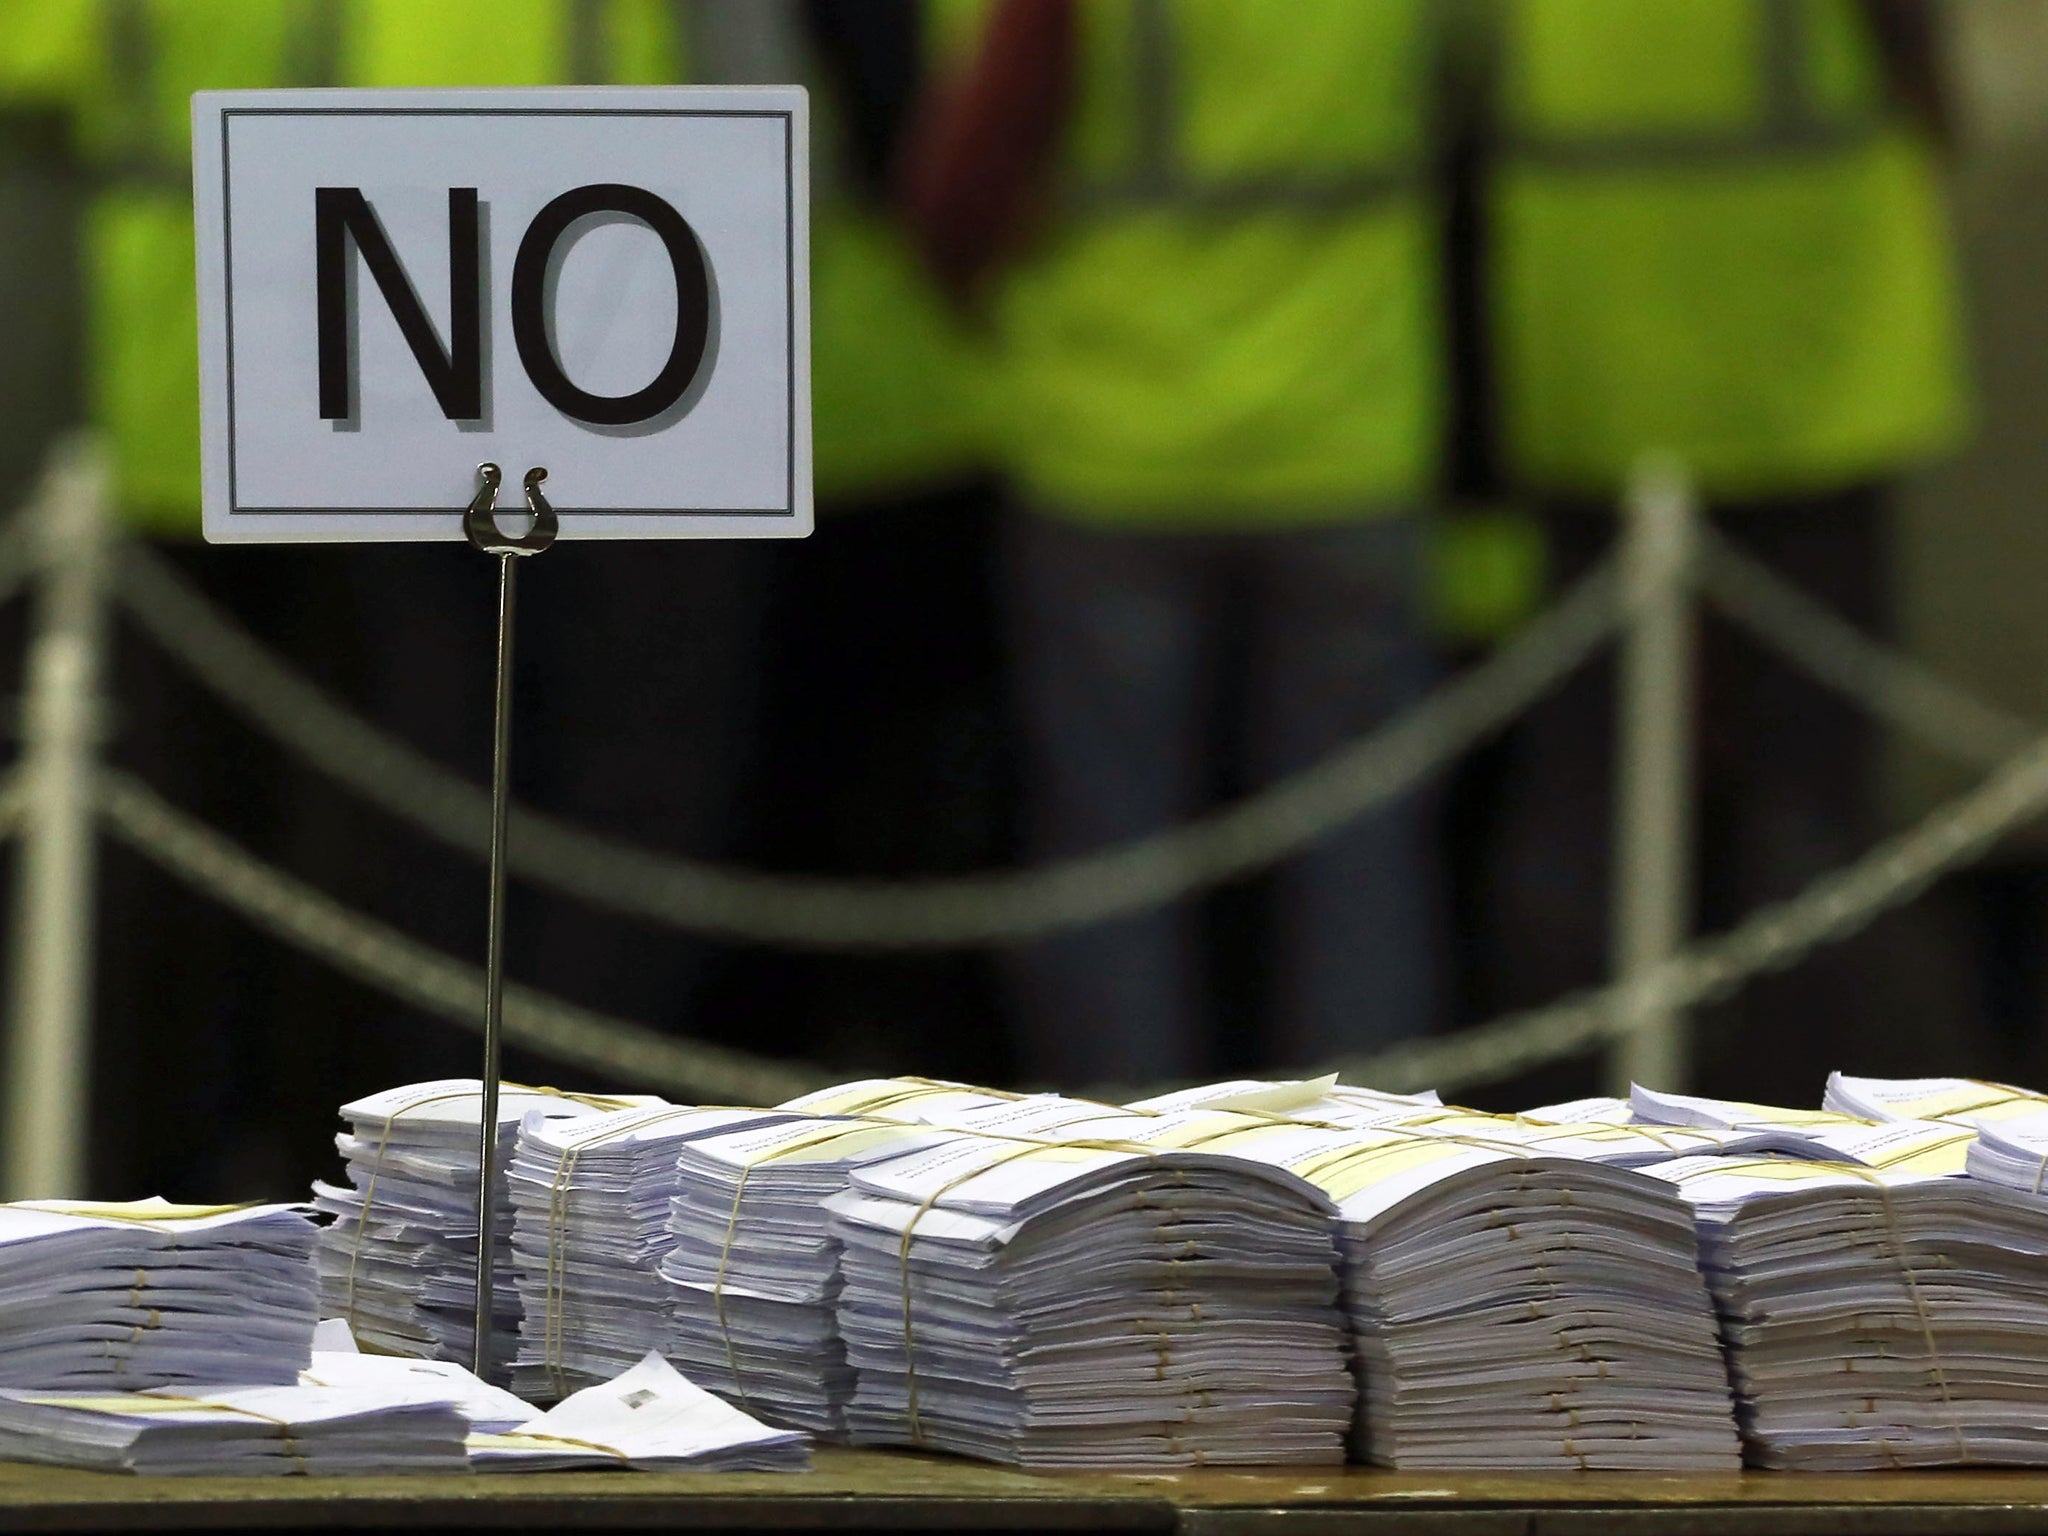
896	1491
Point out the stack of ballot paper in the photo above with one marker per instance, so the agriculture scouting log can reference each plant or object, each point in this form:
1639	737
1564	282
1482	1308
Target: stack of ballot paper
1091	1305
1509	1310
1874	1316
237	1431
753	1268
590	1227
147	1294
1961	1100
399	1262
650	1419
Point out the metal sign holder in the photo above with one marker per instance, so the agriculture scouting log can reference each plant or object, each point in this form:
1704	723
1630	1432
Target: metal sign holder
479	524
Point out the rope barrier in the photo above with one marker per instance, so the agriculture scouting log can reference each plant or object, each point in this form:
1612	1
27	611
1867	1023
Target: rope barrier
871	914
856	914
1775	936
361	947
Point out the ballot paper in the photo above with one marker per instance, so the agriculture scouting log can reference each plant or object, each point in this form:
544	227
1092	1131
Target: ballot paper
1090	1304
1959	1099
1902	1146
1628	1145
649	1419
238	1431
1655	1108
924	1099
1286	1098
1601	1110
590	1227
395	1379
1248	1094
399	1262
1875	1317
1508	1310
1831	1134
148	1294
753	1267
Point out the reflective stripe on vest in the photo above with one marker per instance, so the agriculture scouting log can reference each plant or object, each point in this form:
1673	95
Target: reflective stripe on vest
1789	125
312	58
1157	178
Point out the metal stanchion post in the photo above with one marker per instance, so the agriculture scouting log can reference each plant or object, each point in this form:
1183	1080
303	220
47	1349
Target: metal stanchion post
50	1009
481	528
1654	770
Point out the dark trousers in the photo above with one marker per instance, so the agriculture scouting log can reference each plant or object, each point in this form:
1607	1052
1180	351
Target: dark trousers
1158	671
1786	777
884	754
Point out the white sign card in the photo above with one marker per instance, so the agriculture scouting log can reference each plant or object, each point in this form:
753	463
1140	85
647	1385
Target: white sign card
395	286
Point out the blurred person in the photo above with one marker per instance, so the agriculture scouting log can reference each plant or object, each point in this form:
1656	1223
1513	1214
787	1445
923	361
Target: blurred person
881	751
1198	235
184	1011
634	690
42	196
1714	229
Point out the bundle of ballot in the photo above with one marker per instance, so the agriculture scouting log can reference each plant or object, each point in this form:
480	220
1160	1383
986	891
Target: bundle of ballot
648	1419
1877	1316
590	1199
147	1294
237	1431
753	1268
1090	1304
399	1262
1508	1309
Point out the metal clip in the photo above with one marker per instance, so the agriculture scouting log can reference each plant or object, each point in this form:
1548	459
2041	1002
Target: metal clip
480	521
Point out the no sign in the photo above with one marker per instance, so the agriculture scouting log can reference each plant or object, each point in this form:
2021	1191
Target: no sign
396	285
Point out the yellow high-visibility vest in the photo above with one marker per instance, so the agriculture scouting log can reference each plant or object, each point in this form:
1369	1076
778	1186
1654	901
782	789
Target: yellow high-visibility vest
1233	318
892	375
1713	237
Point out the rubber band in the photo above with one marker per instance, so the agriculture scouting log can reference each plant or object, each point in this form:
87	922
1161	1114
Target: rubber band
1896	1235
732	1225
370	1190
831	1131
1023	1150
556	1271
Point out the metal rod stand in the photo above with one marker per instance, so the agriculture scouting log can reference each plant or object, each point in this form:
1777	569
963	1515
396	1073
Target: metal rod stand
480	526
